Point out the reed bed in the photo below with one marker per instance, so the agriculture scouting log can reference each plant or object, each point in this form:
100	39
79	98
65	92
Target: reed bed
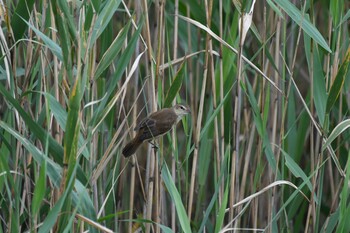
265	149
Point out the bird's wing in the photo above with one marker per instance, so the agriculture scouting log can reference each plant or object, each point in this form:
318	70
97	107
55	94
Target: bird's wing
145	123
152	128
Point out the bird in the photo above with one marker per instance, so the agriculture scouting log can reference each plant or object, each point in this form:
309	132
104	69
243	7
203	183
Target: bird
155	125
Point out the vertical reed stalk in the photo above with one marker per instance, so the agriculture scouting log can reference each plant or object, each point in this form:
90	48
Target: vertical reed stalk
153	102
173	133
236	127
200	113
222	118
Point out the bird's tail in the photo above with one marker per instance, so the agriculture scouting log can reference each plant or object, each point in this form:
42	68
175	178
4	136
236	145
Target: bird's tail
131	147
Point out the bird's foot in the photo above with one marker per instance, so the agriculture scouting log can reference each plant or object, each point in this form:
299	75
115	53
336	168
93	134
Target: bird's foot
154	145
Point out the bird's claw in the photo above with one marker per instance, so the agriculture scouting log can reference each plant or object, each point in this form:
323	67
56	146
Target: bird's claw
154	146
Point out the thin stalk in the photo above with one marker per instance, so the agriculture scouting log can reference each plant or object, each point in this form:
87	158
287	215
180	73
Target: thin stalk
90	58
217	154
152	97
133	159
333	176
311	215
200	114
222	114
190	69
286	88
236	130
275	97
247	159
193	85
340	114
160	5
173	134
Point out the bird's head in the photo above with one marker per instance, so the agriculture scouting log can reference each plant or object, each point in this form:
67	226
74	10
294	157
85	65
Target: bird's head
181	110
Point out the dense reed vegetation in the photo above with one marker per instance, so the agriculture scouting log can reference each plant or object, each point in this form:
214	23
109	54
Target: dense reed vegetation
266	147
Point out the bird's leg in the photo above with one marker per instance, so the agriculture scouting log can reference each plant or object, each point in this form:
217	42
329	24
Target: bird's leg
155	146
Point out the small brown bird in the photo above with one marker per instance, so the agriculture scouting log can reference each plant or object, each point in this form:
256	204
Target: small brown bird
155	125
